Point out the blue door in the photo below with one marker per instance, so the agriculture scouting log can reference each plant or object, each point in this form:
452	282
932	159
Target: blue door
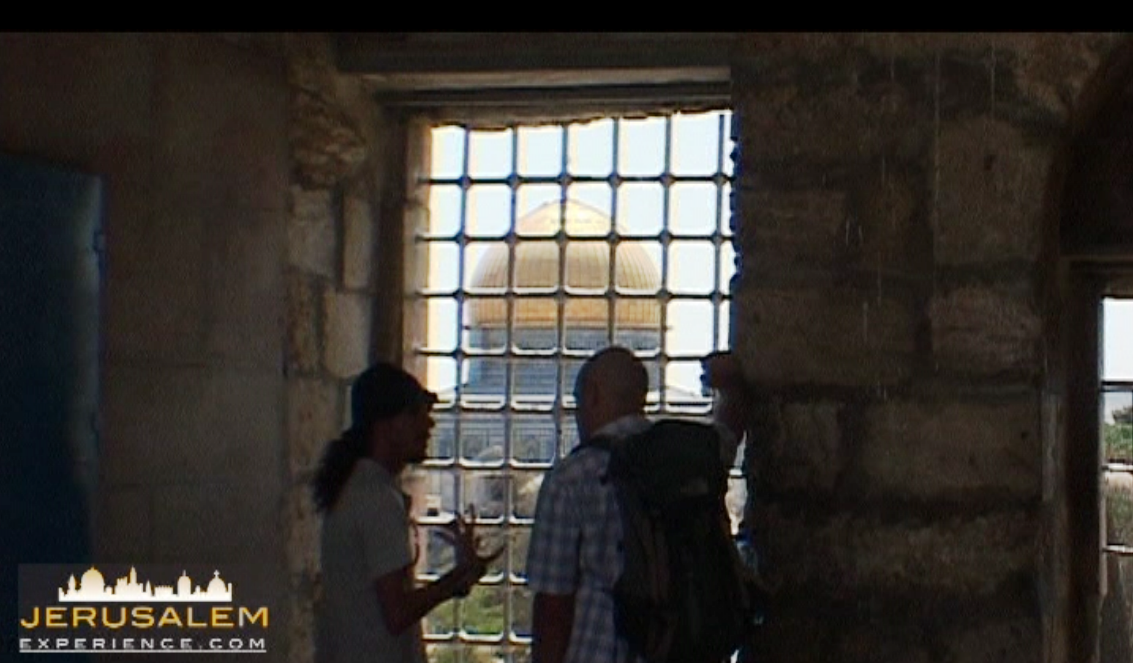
50	230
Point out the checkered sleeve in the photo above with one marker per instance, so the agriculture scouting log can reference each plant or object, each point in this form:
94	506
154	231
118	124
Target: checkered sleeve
552	558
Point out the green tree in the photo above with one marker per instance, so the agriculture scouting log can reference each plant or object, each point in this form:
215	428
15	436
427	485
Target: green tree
1117	439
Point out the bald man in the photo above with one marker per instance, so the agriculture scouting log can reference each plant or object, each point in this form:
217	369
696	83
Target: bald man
574	558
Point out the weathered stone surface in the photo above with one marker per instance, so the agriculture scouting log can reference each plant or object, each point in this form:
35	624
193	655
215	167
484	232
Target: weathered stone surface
989	193
882	222
312	420
1011	641
303	316
303	538
311	236
357	243
313	72
827	121
947	450
301	634
347	332
835	336
962	555
1053	67
981	330
806	453
791	230
1050	67
869	225
326	145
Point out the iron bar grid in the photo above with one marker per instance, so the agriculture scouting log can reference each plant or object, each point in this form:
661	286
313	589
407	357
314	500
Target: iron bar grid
1118	467
509	403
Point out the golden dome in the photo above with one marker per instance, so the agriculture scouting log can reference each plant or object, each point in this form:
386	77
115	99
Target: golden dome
587	267
92	579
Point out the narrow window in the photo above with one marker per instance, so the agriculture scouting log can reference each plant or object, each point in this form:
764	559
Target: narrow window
1117	457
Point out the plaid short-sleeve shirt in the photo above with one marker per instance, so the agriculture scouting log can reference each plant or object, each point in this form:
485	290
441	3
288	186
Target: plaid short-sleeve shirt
575	546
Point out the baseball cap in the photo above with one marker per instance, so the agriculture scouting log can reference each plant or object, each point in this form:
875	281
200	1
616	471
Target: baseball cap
382	391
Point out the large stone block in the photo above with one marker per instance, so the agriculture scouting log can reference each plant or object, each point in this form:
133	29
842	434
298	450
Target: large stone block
950	450
883	225
830	111
313	417
785	231
311	235
985	330
304	312
807	453
357	243
964	555
347	319
870	226
989	193
835	336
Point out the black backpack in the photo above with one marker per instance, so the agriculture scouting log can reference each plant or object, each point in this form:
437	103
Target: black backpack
683	595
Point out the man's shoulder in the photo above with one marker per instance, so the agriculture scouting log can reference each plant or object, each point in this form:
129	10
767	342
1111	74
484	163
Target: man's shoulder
584	462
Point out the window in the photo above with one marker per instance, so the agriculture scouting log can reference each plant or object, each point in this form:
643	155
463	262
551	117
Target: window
542	244
1116	437
1117	422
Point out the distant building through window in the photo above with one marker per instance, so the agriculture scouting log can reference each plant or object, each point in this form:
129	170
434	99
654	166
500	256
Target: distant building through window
543	244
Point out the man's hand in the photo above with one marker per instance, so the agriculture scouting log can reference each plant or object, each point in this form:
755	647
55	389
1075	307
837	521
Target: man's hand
471	565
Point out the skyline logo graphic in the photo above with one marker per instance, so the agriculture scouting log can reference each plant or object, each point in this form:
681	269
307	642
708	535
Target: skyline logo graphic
93	588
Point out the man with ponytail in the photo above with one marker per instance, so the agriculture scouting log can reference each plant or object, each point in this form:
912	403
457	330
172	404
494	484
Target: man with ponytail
372	605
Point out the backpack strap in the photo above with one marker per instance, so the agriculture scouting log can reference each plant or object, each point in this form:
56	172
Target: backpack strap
603	442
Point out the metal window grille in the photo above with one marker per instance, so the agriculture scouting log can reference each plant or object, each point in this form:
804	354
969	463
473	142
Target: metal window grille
1116	437
537	250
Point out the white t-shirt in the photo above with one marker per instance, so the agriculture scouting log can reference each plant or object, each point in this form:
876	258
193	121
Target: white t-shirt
365	536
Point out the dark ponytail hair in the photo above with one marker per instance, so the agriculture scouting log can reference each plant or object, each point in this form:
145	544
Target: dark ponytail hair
335	468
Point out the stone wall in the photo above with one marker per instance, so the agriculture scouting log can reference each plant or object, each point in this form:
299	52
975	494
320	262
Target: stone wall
331	290
891	315
189	135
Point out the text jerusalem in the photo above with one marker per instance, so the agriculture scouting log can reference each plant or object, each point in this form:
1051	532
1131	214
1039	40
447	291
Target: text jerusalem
145	617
